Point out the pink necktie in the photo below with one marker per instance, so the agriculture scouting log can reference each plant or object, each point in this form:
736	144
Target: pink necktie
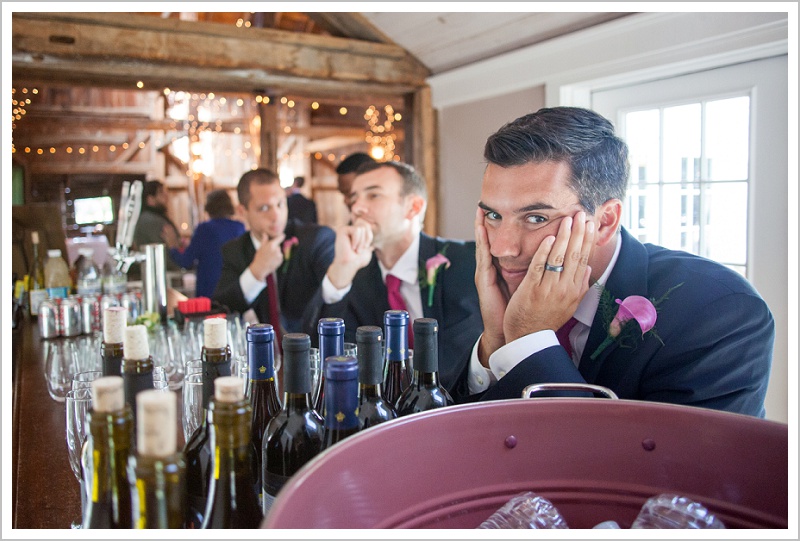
563	335
396	302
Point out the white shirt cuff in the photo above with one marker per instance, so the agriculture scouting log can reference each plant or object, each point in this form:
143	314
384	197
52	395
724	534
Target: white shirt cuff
251	286
332	295
510	355
479	378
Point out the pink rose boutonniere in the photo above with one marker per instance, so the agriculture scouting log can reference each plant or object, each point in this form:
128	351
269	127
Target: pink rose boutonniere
432	267
287	251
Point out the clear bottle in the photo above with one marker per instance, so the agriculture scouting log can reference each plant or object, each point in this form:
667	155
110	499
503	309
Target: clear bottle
114	280
88	280
137	365
524	511
341	399
231	500
109	445
331	344
294	436
157	471
372	408
667	511
56	275
425	392
263	390
37	291
216	361
112	347
395	379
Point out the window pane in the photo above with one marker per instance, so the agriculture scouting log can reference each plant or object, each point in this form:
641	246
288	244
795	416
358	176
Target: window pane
726	222
682	143
727	138
681	230
642	135
643	213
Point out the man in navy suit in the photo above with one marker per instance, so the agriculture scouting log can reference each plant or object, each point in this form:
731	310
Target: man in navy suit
551	251
300	207
387	203
296	255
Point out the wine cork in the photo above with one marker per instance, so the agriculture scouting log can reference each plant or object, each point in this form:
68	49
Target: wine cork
135	345
228	389
108	394
114	323
215	333
156	416
35	237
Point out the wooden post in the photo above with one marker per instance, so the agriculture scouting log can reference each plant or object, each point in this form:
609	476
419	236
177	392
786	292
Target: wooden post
269	136
422	150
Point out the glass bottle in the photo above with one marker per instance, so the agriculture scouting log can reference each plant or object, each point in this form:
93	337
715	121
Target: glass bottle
113	279
395	379
425	392
109	444
88	280
137	366
263	390
36	285
216	361
231	500
294	436
372	408
111	349
157	471
56	275
331	343
341	400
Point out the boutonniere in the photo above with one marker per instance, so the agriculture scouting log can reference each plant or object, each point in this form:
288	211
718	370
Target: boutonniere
635	317
432	267
287	251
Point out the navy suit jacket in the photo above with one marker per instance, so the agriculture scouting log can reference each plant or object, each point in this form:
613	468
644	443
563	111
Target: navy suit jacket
455	306
717	335
302	208
297	284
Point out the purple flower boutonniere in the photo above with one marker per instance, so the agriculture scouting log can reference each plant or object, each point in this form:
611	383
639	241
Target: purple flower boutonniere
287	251
432	267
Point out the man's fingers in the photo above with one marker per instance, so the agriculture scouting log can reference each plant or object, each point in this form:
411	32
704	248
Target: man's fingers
585	251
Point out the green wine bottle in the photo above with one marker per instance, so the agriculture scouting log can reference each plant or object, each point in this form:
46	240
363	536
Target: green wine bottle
425	392
111	350
373	409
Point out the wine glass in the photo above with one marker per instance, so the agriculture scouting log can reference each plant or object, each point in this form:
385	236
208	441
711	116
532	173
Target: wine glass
78	403
60	366
83	380
350	349
193	411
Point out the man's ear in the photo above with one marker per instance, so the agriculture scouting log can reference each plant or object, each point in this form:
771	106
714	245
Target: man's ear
416	207
608	217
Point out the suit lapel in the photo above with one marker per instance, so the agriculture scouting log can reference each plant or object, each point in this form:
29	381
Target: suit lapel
283	276
428	247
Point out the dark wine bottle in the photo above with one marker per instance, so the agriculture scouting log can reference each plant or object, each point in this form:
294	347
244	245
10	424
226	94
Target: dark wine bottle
395	379
331	344
425	392
216	361
157	471
231	500
111	350
341	399
294	436
372	408
137	366
110	431
263	391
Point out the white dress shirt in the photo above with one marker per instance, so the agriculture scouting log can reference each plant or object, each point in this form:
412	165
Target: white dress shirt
251	286
512	353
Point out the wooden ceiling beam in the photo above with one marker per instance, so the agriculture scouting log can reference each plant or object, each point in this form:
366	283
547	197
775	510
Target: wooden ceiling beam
352	25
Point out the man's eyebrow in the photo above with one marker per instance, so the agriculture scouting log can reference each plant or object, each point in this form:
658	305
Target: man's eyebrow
529	208
367	189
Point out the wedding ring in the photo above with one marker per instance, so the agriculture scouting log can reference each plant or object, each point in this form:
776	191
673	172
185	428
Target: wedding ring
549	267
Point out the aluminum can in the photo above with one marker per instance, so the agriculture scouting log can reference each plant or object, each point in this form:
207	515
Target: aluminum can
91	314
70	317
48	319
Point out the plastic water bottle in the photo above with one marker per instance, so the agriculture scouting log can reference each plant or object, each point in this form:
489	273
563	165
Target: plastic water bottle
667	511
526	511
114	280
89	281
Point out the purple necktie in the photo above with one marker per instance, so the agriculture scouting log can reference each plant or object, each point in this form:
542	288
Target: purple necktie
396	302
563	335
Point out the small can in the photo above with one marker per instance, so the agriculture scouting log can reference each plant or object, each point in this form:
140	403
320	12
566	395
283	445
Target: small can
91	313
132	302
48	319
70	317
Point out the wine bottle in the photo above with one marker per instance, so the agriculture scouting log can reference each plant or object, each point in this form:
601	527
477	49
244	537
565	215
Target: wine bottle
216	361
331	343
263	391
110	432
157	471
111	350
372	408
341	399
425	392
231	500
294	436
395	379
36	287
137	366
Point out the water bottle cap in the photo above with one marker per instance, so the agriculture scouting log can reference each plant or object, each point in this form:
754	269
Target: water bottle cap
260	333
368	334
331	326
425	325
296	342
341	367
395	318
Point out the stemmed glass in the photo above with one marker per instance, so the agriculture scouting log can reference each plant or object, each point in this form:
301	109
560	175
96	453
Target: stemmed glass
193	411
83	380
78	402
60	366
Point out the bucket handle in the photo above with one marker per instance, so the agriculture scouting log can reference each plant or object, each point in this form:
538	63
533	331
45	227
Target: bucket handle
528	391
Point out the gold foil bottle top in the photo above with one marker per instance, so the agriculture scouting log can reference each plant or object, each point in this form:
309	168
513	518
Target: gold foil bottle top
228	389
114	323
108	394
135	345
215	333
156	417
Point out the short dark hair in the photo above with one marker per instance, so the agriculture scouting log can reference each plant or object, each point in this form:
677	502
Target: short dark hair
412	180
219	204
352	162
255	176
151	188
299	181
582	138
